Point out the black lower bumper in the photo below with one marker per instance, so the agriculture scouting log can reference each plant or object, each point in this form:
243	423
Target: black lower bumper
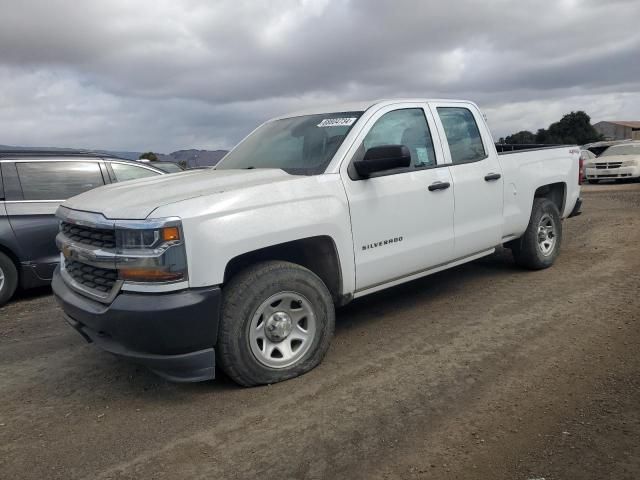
577	208
173	334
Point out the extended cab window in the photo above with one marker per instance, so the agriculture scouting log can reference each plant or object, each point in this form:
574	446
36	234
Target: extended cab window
124	172
406	127
57	180
463	135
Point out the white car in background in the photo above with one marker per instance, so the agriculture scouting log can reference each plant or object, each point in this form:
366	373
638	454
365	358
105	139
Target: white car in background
615	163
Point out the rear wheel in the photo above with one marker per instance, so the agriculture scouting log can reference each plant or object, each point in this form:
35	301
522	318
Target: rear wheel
539	246
8	278
277	322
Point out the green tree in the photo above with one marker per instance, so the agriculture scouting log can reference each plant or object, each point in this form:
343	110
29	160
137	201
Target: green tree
523	136
574	127
544	136
152	157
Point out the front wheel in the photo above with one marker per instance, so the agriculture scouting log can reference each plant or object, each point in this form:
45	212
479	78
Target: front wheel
539	246
277	322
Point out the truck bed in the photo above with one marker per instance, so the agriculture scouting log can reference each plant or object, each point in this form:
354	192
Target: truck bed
524	169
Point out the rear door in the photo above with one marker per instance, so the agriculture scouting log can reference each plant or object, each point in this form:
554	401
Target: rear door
400	226
477	177
38	188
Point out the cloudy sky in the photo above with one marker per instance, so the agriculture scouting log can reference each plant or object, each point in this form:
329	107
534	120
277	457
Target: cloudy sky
172	74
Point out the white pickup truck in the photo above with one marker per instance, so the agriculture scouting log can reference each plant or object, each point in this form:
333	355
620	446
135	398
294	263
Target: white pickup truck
243	265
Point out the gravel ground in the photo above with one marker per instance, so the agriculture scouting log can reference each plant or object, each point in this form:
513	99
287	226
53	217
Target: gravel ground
480	372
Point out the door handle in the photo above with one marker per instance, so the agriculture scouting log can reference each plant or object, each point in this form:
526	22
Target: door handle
439	186
491	177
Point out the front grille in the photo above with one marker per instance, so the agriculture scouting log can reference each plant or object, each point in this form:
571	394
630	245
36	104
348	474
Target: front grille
607	165
95	237
99	279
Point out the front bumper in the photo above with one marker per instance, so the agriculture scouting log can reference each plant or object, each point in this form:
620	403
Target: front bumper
173	334
612	173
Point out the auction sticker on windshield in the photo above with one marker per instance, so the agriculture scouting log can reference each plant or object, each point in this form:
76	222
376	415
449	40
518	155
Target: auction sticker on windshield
337	122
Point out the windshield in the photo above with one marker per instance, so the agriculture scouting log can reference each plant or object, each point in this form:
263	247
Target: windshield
622	150
299	145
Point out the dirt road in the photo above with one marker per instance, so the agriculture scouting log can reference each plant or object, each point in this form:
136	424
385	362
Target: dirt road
482	372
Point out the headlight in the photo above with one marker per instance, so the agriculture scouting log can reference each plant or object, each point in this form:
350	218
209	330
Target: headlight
590	165
136	238
150	254
634	162
146	238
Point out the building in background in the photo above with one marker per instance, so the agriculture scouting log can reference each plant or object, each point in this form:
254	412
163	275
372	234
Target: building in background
618	130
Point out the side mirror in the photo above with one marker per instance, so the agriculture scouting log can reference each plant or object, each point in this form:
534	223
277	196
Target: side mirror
384	157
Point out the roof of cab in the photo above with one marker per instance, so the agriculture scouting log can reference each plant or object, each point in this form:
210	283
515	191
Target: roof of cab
360	106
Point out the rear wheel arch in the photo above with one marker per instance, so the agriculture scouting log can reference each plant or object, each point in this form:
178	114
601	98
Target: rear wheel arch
555	192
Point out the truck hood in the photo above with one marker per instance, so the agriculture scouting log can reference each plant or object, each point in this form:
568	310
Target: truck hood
137	199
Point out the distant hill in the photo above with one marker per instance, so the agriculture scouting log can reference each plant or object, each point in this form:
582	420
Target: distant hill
192	157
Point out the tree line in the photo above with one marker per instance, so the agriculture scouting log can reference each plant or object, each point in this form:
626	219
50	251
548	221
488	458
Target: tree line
572	128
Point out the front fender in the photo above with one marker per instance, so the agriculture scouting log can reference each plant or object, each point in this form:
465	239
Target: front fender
233	224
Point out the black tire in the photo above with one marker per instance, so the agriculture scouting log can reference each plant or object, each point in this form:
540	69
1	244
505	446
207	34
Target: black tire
528	250
9	276
244	295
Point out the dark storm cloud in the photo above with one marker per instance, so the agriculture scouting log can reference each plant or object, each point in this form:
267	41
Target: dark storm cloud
167	74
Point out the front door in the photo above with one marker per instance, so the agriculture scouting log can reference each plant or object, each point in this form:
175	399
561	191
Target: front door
400	226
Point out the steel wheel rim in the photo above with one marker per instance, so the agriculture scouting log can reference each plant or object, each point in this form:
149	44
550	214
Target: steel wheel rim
282	330
546	235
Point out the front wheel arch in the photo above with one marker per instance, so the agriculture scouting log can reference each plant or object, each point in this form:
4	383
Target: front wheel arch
318	254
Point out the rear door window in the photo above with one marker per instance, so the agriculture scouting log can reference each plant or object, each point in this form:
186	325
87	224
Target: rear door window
57	180
125	171
463	135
